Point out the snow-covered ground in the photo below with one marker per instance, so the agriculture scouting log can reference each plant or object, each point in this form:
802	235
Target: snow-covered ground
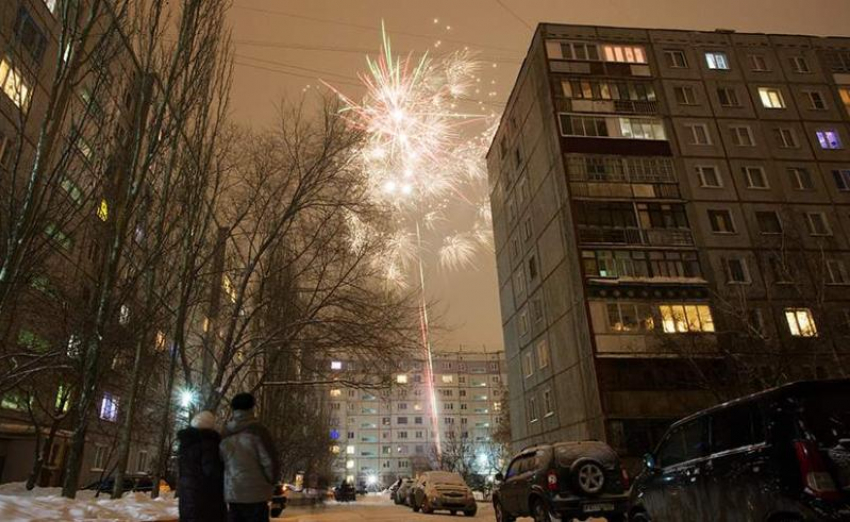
45	504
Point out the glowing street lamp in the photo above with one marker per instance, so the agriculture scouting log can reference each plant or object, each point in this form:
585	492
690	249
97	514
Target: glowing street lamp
187	398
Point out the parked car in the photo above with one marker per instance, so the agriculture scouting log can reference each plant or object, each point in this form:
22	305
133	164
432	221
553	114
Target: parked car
565	480
442	490
400	495
278	502
345	492
779	455
132	482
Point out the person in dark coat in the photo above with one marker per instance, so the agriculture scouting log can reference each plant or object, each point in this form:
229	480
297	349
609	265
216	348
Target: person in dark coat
200	485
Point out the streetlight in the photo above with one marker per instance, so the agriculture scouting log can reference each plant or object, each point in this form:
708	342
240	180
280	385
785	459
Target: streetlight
187	398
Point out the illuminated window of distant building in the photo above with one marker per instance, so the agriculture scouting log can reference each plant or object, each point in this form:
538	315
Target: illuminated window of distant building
401	379
829	139
336	365
624	53
336	392
717	60
801	323
103	210
109	407
124	315
13	85
686	318
542	349
771	98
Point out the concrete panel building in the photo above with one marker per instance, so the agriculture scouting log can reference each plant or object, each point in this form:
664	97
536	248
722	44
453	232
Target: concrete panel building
671	223
384	434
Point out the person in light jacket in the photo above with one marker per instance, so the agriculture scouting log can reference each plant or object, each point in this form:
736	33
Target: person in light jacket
251	466
200	485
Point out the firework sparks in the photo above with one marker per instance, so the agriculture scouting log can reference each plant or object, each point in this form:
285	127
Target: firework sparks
458	251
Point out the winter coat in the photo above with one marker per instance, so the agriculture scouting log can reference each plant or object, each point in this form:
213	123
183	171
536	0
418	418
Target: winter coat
200	486
251	465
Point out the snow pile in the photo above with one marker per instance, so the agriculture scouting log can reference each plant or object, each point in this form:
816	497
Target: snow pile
45	504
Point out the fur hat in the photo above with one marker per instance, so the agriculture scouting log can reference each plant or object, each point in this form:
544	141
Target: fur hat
204	420
242	401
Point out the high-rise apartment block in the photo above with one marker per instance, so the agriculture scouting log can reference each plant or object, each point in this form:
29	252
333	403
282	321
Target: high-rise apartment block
383	434
671	216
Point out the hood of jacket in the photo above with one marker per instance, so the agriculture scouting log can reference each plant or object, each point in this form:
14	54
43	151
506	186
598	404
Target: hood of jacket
240	421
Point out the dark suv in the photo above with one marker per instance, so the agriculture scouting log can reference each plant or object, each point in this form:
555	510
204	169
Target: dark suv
776	456
567	480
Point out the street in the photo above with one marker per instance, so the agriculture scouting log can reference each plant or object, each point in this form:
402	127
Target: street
376	509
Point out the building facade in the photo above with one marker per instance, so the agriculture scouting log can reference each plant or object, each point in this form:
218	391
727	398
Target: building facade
380	435
671	216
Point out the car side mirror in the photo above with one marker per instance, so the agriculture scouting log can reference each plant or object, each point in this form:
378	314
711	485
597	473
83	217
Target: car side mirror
650	462
499	477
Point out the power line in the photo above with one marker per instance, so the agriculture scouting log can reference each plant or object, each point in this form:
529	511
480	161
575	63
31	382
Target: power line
345	80
372	29
513	13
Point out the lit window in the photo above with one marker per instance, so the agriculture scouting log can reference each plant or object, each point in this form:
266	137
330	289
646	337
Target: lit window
800	322
336	365
844	92
401	379
717	60
336	392
624	53
103	210
829	139
160	341
771	98
109	407
350	450
686	318
124	315
12	83
349	464
448	379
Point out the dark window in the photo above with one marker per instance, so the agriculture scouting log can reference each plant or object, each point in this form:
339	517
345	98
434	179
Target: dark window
676	59
721	221
728	97
842	179
801	179
769	222
532	267
736	427
29	35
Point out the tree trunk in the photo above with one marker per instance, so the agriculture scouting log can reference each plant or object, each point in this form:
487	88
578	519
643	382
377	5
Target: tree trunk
165	426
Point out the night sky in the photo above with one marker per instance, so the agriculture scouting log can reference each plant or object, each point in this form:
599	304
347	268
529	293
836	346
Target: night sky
283	48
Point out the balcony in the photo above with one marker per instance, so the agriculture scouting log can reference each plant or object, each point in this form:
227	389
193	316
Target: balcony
607	190
635	236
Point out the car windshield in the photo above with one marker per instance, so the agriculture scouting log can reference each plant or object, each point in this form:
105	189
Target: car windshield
825	413
446	478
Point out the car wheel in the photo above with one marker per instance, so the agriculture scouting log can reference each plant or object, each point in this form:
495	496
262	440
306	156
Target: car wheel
589	476
470	512
501	515
453	512
414	505
539	512
640	516
426	507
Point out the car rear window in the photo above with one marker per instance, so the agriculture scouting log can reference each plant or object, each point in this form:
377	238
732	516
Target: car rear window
446	478
825	413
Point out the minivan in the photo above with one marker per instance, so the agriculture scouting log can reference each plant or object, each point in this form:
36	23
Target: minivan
776	456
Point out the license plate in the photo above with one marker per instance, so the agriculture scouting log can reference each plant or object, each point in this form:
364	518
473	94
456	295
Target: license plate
587	508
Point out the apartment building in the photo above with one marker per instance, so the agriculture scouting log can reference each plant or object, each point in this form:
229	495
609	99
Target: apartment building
668	205
380	435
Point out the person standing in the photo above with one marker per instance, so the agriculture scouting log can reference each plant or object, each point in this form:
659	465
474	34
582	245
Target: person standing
251	466
200	485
